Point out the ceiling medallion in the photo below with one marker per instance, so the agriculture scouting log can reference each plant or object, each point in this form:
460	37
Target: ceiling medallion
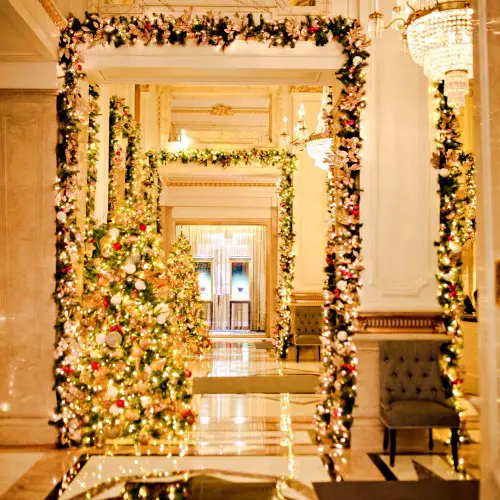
222	110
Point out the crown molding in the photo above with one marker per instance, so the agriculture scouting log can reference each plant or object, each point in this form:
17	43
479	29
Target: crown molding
54	14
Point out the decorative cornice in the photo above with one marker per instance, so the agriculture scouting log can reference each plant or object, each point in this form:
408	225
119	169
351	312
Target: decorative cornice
399	322
305	298
218	184
222	110
54	14
306	88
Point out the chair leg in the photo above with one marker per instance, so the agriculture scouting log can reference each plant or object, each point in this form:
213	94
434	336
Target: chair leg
454	447
386	438
392	441
297	348
431	440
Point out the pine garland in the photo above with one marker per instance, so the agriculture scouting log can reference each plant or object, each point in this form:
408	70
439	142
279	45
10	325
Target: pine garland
456	227
287	163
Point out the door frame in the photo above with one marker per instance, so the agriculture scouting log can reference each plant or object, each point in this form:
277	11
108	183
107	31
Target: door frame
169	229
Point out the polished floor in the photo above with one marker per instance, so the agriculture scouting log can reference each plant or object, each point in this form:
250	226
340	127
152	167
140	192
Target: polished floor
247	440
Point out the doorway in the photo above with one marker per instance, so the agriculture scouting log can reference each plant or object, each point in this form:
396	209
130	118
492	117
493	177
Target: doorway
232	265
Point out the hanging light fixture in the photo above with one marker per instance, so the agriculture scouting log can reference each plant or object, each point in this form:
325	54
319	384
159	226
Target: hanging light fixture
182	141
438	34
318	144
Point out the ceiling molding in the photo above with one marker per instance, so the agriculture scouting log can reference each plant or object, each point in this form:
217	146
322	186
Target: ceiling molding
306	88
218	184
223	110
54	14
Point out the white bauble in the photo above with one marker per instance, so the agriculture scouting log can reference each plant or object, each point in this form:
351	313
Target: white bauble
61	216
95	354
357	60
146	401
443	172
129	268
114	232
101	338
112	391
342	335
456	248
161	319
114	410
181	295
140	285
448	276
116	299
113	339
341	285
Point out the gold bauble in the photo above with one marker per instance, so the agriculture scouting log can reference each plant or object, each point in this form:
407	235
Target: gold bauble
112	431
132	415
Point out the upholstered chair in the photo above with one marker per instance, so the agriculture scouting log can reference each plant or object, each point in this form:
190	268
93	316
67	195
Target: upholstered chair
411	392
307	327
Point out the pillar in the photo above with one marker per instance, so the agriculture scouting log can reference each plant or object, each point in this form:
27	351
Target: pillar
487	124
28	134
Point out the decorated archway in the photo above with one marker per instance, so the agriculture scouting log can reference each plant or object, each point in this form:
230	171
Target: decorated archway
343	259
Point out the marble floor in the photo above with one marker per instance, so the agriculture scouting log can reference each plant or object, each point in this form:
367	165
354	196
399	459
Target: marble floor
250	445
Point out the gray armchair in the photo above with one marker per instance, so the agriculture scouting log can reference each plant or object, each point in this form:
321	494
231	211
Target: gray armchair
411	392
307	327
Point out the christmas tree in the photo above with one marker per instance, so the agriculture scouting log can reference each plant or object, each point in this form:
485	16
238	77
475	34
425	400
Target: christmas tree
187	306
130	378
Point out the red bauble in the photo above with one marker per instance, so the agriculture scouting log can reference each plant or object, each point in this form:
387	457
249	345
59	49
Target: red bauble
120	403
105	302
349	368
112	328
355	211
450	238
118	153
188	373
117	245
68	370
95	366
313	29
453	294
92	240
329	260
143	227
147	26
79	67
350	122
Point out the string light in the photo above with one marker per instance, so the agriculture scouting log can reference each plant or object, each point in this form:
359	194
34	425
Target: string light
457	225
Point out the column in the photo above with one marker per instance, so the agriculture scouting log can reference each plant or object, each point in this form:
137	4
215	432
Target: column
28	134
487	124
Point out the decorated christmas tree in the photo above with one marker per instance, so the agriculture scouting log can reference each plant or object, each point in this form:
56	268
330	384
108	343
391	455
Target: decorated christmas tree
129	379
187	306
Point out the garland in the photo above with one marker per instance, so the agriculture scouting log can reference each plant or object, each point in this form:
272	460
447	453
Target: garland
339	367
152	189
287	162
456	226
119	115
92	159
68	237
333	416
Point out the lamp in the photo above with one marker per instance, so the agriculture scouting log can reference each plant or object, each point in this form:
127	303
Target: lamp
182	141
438	35
318	145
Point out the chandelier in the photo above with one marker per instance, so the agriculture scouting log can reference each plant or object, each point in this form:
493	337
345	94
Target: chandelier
318	144
438	36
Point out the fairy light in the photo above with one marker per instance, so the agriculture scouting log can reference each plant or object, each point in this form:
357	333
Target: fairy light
185	290
338	388
221	31
287	163
457	217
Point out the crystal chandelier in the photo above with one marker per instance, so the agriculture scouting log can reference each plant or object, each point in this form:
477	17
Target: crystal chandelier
318	145
438	36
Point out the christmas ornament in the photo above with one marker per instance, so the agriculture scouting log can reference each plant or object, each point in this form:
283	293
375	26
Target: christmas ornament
129	268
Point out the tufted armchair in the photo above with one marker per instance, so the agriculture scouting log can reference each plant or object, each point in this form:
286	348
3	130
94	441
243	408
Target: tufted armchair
411	392
307	327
